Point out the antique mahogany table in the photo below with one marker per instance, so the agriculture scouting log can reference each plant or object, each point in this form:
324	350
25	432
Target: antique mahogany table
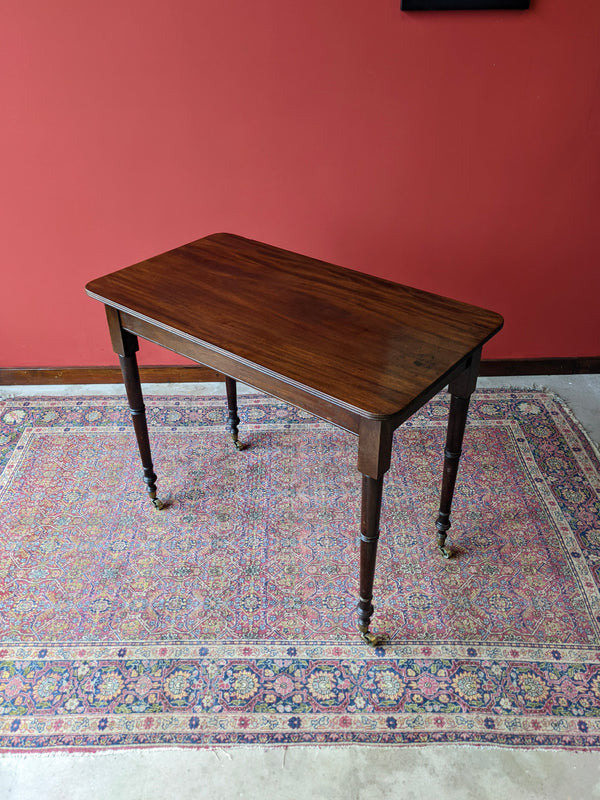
359	351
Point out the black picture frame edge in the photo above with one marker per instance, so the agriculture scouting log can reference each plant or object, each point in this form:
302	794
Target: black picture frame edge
463	5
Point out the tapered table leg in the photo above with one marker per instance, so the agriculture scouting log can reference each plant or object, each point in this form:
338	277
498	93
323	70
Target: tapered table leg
459	407
369	536
460	396
125	344
131	378
374	455
233	420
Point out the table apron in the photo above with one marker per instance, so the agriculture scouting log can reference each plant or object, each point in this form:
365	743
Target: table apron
252	376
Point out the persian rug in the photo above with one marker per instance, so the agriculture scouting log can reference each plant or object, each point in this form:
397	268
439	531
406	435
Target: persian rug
229	617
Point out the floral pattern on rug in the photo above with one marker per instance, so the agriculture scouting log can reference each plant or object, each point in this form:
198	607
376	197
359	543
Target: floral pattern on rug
229	617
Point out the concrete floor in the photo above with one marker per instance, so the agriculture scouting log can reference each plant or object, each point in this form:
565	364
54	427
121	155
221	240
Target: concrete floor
353	773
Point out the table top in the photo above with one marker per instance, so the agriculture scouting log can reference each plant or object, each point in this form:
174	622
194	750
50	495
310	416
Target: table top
366	343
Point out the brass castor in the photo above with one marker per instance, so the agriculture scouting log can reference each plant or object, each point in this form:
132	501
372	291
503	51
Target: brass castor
238	445
445	551
158	504
370	638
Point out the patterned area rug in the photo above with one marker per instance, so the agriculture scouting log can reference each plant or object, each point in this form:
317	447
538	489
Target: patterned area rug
229	617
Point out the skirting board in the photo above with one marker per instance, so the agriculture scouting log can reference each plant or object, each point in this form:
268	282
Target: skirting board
30	376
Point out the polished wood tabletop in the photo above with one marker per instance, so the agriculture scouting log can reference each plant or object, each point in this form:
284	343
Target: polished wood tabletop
357	350
370	345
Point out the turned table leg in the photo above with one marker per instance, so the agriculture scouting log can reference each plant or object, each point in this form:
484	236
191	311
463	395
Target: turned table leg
460	390
374	456
131	378
369	536
233	420
126	345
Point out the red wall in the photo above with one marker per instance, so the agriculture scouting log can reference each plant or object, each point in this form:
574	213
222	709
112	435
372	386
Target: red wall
458	152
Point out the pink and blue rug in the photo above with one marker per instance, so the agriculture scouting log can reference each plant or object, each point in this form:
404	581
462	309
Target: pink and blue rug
228	618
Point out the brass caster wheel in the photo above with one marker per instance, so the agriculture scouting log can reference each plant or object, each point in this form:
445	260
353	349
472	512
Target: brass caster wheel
237	444
370	638
158	504
445	551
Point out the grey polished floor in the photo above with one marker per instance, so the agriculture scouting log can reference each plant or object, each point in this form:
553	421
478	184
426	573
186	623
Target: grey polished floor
330	773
